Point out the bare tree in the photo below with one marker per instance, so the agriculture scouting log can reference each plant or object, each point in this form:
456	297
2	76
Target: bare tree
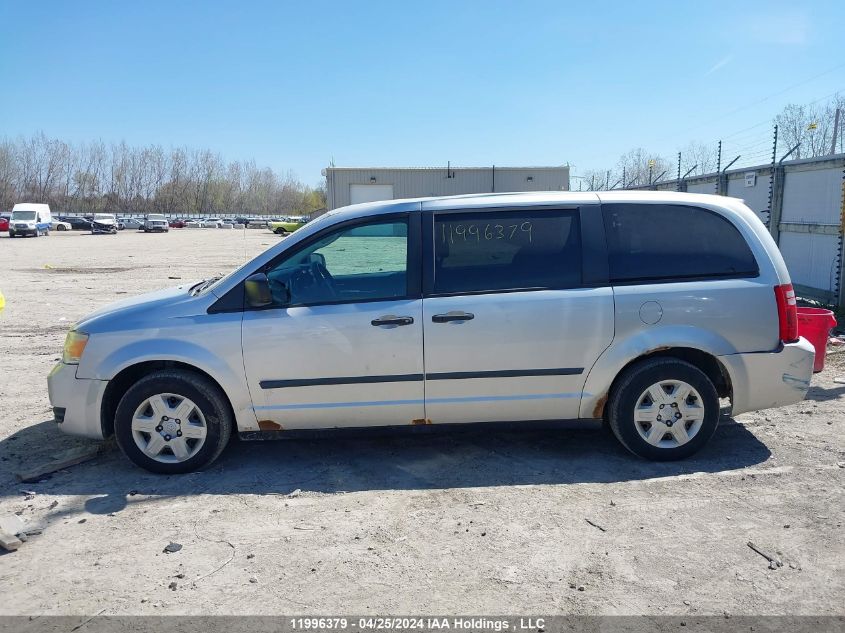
641	167
93	177
700	157
810	127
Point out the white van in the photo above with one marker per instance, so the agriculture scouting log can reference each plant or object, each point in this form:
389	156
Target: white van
30	219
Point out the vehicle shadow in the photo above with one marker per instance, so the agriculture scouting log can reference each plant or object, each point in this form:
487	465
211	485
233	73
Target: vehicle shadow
418	461
821	394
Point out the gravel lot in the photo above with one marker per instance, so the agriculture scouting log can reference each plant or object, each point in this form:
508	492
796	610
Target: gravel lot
474	522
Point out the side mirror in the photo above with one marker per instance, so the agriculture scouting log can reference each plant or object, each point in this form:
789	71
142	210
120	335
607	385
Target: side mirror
257	291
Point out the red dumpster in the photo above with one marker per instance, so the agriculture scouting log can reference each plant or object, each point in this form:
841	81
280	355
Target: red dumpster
814	324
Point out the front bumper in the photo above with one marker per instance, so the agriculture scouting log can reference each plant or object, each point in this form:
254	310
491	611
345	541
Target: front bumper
770	379
80	398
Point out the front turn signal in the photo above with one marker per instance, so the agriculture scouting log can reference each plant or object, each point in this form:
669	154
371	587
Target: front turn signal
74	346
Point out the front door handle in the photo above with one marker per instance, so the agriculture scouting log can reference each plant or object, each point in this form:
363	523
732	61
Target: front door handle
455	315
389	319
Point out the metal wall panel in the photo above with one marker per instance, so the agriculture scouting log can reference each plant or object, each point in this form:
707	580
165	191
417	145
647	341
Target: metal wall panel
813	195
811	259
757	196
703	187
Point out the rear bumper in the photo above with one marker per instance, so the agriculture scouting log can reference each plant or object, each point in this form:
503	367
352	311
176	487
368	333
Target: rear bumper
770	379
76	401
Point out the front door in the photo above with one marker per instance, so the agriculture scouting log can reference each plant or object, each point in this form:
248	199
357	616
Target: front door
511	328
342	344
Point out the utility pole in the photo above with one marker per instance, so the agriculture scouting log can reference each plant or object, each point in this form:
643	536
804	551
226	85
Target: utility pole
835	130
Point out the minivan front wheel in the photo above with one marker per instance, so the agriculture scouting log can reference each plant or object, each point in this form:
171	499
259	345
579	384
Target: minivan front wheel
663	409
173	421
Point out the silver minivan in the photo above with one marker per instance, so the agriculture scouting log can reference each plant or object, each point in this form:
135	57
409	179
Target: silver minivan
648	311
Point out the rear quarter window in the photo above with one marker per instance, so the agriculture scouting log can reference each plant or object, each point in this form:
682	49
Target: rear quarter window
673	242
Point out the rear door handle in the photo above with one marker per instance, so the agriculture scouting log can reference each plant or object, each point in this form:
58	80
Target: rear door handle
455	315
389	319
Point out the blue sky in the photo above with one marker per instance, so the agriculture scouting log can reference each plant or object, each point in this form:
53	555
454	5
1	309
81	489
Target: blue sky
295	84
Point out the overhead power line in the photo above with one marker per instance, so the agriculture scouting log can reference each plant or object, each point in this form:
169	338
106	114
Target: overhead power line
758	101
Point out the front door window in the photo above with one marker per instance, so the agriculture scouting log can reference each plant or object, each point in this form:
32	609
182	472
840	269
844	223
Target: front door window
362	263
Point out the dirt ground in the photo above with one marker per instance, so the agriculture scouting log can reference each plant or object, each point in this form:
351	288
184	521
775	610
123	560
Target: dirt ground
475	522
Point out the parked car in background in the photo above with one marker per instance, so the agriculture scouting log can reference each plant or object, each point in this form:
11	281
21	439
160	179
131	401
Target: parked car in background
30	219
104	223
4	222
129	223
155	222
59	225
488	308
212	223
286	225
177	223
76	222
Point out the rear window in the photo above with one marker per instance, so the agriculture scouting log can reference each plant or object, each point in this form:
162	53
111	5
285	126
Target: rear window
666	242
506	250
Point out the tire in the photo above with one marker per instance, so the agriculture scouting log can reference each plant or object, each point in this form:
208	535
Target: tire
694	417
211	408
61	227
11	234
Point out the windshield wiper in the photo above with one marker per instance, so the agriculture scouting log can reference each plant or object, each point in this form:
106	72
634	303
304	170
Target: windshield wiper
198	288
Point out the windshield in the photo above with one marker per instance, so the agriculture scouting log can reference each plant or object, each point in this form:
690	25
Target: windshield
155	218
23	215
103	216
317	224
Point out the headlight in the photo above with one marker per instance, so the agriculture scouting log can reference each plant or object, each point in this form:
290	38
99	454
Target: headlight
74	346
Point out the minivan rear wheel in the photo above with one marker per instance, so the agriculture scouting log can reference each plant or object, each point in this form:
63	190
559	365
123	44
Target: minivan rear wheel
663	409
173	421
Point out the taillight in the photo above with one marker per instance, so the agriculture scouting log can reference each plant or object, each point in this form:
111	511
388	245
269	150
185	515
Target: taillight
787	313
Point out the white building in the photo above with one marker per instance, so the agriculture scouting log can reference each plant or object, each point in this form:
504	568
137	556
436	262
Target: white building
351	185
